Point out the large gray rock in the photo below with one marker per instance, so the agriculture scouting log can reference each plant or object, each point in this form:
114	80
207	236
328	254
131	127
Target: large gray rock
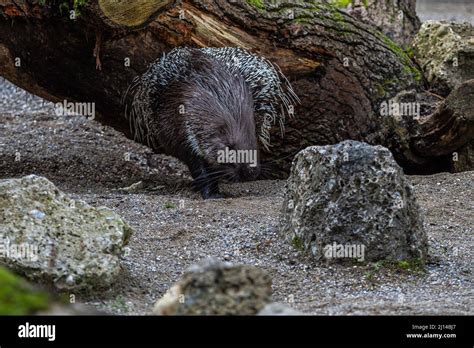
352	197
217	288
446	53
49	237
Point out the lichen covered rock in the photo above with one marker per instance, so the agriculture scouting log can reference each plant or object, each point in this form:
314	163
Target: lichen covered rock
49	237
352	197
217	288
446	53
17	297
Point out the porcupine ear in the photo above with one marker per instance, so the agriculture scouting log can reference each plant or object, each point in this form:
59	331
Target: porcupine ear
271	91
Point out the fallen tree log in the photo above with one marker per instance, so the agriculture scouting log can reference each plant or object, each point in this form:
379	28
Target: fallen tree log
341	69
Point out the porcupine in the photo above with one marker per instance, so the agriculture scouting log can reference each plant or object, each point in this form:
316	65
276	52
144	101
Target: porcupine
192	103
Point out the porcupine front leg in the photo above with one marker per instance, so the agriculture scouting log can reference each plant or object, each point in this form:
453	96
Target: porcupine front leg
203	179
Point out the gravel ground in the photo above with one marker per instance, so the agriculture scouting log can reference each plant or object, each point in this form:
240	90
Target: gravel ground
175	228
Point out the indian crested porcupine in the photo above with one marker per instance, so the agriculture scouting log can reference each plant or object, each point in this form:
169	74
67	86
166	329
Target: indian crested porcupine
209	108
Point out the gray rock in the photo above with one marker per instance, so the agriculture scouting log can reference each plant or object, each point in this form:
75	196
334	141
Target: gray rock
446	52
351	200
217	288
276	308
47	236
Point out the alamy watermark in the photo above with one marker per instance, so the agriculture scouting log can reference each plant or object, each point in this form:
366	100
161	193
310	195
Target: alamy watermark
392	108
67	108
237	156
344	251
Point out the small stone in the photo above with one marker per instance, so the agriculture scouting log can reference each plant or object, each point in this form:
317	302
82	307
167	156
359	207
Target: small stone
132	188
37	214
70	280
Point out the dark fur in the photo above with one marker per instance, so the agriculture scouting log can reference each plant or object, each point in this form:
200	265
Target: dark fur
218	110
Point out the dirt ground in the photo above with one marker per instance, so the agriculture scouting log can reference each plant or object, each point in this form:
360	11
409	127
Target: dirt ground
174	227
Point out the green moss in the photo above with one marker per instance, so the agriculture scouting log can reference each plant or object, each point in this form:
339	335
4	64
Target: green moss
17	297
303	20
346	3
259	4
170	205
410	52
413	266
380	90
384	86
119	305
64	6
403	264
64	298
337	16
393	46
304	17
341	3
375	267
415	73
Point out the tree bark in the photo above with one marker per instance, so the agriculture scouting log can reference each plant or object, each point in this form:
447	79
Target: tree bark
341	69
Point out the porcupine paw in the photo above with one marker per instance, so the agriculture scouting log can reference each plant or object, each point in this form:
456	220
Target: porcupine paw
208	194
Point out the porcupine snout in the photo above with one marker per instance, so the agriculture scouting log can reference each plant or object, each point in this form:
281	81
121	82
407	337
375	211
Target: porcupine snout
246	172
